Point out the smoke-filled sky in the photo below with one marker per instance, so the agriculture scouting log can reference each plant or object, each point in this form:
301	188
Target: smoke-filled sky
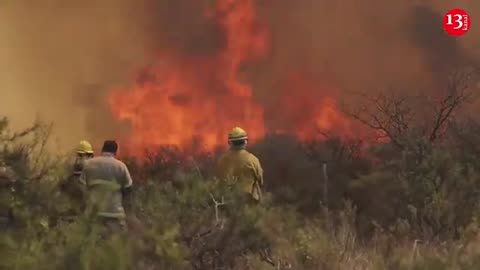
59	58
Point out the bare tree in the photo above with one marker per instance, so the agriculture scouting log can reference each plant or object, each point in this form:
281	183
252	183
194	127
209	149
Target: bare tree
395	116
27	146
458	91
389	114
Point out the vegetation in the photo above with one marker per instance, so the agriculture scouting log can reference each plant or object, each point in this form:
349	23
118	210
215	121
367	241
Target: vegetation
410	202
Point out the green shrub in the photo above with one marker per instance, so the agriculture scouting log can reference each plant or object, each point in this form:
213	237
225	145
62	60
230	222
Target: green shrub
404	211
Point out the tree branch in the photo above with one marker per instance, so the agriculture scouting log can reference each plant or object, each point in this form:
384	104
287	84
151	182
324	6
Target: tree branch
217	205
456	94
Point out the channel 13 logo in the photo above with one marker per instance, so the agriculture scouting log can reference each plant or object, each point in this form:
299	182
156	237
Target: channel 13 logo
456	22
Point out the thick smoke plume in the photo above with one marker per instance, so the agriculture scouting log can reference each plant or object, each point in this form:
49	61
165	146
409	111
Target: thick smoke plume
59	60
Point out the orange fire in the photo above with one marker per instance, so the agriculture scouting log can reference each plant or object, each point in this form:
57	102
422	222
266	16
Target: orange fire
198	99
308	109
188	101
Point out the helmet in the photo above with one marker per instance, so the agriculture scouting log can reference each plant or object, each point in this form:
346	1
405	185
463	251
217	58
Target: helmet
237	134
84	147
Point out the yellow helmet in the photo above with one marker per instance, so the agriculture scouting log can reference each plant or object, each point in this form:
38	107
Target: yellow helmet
84	147
237	134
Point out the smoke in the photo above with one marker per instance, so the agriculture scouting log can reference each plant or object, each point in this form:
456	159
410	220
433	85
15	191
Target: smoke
369	44
59	59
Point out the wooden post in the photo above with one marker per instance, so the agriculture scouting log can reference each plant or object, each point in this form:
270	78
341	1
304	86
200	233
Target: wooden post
325	184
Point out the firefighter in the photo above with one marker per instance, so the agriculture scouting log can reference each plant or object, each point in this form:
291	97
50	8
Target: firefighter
73	187
241	165
108	183
84	151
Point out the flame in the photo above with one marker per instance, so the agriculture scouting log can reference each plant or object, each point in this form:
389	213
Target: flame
187	100
198	98
309	109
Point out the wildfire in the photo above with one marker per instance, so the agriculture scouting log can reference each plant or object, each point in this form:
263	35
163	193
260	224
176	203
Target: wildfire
195	100
199	99
308	109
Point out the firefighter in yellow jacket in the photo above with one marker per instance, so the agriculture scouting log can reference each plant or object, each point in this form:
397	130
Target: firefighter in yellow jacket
73	186
240	164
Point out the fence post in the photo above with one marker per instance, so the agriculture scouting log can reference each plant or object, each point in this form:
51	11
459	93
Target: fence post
325	184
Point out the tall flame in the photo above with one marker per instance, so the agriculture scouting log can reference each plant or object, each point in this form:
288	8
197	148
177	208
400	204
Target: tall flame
198	98
186	99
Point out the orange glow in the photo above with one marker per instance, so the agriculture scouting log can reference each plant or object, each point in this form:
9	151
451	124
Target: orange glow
186	100
309	109
199	99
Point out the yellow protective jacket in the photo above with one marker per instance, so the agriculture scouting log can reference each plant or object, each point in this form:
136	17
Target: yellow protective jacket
238	163
78	165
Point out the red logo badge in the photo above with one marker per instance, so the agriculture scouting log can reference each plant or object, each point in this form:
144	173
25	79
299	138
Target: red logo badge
456	22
